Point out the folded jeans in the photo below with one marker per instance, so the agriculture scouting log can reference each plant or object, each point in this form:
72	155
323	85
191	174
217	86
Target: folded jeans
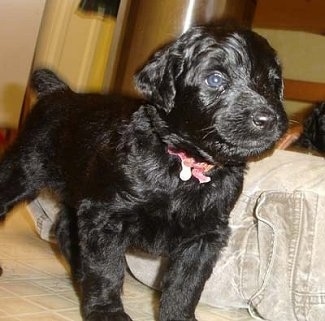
273	264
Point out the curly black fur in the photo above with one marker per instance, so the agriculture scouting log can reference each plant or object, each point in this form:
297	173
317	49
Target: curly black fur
313	135
214	94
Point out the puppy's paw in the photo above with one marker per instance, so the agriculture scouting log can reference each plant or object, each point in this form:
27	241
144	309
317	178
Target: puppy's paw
108	316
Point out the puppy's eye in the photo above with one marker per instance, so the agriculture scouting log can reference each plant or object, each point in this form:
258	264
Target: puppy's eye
215	80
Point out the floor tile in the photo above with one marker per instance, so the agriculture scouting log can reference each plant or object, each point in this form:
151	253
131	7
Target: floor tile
5	293
23	288
52	302
73	315
42	317
18	305
50	266
16	270
56	285
36	284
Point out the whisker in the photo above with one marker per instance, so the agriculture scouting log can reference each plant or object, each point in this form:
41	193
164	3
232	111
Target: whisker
207	134
207	128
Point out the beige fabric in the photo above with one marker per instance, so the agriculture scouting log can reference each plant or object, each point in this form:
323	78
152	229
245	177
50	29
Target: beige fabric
275	261
44	211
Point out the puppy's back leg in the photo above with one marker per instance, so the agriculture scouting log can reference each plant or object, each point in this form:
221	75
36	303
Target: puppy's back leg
15	183
67	237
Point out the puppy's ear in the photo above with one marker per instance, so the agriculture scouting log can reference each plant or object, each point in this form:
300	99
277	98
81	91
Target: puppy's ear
160	77
156	81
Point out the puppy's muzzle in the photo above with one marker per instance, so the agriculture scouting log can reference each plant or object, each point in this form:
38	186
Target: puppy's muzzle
264	120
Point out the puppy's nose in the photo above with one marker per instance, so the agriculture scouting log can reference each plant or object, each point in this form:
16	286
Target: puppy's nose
263	120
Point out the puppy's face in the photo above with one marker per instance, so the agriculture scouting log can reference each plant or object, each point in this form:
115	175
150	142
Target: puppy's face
221	90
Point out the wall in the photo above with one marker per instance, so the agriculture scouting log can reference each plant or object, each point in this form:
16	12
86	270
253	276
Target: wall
20	21
74	44
302	55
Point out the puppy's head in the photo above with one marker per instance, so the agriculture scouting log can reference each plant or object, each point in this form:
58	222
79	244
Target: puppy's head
221	89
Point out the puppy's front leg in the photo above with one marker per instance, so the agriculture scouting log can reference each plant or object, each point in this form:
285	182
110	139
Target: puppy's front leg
102	264
190	267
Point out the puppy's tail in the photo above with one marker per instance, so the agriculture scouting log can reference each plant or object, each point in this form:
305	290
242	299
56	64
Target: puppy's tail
45	82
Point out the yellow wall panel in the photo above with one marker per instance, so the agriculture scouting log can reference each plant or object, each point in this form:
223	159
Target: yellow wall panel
74	44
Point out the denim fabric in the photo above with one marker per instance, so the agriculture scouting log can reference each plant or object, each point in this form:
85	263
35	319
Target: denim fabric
289	240
274	264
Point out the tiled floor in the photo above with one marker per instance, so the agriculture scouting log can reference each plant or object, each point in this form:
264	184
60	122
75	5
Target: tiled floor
35	285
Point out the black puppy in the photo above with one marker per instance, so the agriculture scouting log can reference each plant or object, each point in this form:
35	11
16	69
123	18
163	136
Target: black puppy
313	135
161	175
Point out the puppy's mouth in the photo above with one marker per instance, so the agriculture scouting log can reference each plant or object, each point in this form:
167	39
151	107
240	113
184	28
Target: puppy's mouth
250	147
254	148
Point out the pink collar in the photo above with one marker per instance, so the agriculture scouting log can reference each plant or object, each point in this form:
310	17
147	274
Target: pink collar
190	167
